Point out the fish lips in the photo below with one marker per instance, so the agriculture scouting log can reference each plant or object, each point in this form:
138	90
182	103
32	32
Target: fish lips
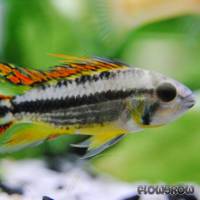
189	101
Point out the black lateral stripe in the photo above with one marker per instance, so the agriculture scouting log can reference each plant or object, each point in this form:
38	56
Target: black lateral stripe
46	105
43	106
4	110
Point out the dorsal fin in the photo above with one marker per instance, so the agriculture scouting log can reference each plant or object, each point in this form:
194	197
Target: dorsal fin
72	67
20	76
90	61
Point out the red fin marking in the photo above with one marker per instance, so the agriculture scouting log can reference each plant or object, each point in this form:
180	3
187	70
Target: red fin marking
73	67
25	80
2	97
4	127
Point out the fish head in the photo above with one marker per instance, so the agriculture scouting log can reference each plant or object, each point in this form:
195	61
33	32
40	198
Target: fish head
167	101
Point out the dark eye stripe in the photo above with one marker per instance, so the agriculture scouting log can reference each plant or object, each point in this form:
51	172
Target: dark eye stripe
149	112
146	117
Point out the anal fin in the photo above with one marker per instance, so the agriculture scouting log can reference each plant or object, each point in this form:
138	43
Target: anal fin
23	134
84	144
102	137
95	151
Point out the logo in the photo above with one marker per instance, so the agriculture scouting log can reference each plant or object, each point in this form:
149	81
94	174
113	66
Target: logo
165	189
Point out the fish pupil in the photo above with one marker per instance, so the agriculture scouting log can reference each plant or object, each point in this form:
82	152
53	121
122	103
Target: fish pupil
166	92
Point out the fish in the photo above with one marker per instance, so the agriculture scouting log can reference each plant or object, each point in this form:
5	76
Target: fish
98	97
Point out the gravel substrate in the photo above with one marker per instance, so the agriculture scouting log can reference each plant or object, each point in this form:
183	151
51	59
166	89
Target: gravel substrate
34	180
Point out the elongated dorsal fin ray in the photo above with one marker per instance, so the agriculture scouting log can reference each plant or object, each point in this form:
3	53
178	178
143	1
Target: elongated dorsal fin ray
91	61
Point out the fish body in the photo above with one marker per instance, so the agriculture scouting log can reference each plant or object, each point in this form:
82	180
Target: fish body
90	96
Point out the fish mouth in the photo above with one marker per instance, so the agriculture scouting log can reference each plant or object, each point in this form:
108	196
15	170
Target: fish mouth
189	101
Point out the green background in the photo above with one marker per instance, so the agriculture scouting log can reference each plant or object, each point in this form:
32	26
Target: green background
30	30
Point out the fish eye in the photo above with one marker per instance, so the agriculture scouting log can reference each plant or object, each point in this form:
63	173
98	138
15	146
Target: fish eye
166	92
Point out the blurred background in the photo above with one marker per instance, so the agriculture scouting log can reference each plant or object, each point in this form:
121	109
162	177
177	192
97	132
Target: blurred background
161	35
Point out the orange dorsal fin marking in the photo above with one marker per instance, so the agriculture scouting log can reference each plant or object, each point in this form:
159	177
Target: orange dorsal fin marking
21	76
4	69
72	67
77	66
95	62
